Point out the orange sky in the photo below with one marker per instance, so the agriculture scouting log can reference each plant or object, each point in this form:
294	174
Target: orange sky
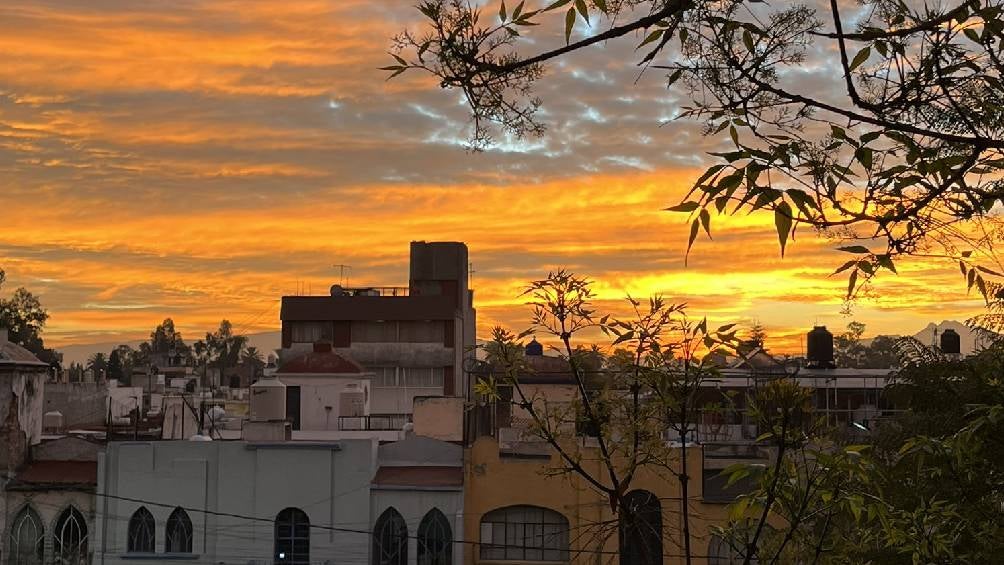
199	159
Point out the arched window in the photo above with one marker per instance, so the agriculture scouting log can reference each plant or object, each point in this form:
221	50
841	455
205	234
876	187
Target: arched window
524	533
292	537
390	539
435	539
720	552
142	532
641	529
69	541
178	533
27	538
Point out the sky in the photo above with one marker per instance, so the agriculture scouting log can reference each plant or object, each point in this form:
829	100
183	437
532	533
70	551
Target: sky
198	159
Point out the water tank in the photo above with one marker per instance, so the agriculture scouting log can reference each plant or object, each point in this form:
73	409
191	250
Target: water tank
52	422
534	347
337	290
819	351
268	400
951	342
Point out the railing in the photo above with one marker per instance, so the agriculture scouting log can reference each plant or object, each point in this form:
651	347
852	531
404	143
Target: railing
376	291
375	422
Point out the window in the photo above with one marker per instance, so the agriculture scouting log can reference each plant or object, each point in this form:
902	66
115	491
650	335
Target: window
524	533
435	539
374	332
720	552
27	538
178	534
641	529
384	377
311	332
423	377
422	332
142	532
292	537
390	539
69	541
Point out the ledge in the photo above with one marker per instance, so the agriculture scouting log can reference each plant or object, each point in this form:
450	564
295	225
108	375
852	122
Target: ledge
160	556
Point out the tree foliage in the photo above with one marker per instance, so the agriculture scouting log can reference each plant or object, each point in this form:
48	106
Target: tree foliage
24	317
903	158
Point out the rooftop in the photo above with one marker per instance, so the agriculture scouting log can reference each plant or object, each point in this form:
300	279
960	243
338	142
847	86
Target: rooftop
321	361
56	474
13	354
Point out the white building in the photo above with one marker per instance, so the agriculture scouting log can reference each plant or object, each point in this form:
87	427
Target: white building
286	502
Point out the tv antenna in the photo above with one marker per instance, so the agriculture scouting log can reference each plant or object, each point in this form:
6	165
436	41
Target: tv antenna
343	278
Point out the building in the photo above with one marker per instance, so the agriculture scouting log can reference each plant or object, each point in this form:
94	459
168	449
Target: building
284	502
22	385
414	340
49	504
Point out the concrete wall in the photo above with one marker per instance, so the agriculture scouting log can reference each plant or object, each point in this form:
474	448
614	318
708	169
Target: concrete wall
49	504
81	404
413	505
320	398
21	410
256	481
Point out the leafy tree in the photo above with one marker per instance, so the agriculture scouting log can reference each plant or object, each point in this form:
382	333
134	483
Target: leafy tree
224	347
24	318
903	158
648	385
114	370
757	336
851	351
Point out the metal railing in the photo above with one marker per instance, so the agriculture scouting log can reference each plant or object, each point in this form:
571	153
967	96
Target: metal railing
374	422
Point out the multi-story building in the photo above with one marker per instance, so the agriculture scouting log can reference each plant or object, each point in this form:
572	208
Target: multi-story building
414	340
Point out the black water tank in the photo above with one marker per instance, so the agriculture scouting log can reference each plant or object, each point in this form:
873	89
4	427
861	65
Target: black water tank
534	347
819	352
951	342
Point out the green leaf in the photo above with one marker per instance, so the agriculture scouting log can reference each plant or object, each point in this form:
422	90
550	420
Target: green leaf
569	24
748	40
517	11
601	4
706	221
864	156
583	9
651	37
860	58
845	266
502	11
684	207
782	221
555	5
854	249
851	283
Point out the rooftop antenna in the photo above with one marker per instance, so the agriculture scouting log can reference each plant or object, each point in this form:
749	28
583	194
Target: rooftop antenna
343	278
470	275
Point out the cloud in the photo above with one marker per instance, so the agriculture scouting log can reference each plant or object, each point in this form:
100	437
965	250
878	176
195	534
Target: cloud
198	159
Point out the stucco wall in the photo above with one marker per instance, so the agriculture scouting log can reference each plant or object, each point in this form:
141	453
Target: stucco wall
49	504
494	482
439	417
413	505
21	410
318	393
327	481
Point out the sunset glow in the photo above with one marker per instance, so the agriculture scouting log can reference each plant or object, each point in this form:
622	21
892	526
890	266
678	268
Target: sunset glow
200	159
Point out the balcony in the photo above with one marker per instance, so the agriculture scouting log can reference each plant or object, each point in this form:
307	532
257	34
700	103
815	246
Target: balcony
375	422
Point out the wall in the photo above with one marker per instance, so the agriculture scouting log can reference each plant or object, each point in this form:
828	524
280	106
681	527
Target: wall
413	506
317	393
21	410
50	504
81	404
494	482
328	481
439	417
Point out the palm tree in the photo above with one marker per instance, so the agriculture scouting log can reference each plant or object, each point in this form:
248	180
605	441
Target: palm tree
98	364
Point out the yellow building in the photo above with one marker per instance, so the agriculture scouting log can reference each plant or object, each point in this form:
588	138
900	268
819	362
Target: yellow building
519	508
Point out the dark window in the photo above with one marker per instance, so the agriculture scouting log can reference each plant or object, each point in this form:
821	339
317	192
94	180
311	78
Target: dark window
390	539
435	539
142	532
374	332
178	534
641	529
524	533
293	406
717	489
292	537
27	538
69	541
